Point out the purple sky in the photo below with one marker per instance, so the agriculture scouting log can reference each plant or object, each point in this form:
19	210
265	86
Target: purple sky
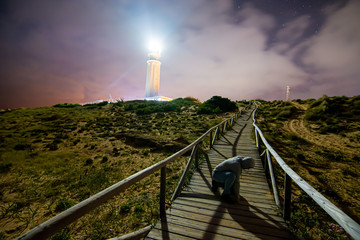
81	51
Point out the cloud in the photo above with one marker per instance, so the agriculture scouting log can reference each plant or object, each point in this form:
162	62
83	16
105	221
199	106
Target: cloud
336	50
291	35
330	58
225	54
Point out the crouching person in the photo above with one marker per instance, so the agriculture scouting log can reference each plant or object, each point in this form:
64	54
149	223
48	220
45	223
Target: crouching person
227	175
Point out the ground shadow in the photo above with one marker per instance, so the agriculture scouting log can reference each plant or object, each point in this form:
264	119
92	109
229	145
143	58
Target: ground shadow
222	155
257	221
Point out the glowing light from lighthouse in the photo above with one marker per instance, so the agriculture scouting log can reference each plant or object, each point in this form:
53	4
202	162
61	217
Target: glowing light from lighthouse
155	46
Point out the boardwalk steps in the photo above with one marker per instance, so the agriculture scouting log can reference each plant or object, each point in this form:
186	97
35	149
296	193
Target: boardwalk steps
199	214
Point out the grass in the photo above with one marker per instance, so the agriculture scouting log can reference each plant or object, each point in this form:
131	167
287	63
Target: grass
54	157
326	157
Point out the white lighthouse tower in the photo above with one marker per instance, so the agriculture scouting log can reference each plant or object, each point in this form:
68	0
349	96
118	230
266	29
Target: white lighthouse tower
153	71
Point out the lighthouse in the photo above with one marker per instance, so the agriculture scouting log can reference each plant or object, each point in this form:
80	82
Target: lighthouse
153	71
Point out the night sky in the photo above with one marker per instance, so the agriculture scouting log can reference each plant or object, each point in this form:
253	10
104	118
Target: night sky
80	51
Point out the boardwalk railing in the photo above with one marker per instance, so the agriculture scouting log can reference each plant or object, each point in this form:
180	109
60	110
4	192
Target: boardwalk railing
63	219
339	216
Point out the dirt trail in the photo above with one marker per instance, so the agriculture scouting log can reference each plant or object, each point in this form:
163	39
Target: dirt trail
330	140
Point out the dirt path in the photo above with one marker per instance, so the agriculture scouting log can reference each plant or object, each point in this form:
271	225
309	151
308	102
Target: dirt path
330	140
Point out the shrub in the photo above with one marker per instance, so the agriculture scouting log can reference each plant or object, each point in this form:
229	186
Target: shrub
21	146
88	162
63	235
96	105
125	208
2	236
104	159
66	105
52	146
217	104
139	209
63	204
4	168
286	112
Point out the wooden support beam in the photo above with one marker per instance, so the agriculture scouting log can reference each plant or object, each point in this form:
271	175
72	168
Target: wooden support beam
162	192
287	197
185	172
272	176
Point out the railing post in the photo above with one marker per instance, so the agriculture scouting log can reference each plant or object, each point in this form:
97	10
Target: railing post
215	136
257	138
211	139
197	157
162	191
287	197
266	160
272	176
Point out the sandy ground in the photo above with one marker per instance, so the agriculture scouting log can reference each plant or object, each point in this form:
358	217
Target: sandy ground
330	140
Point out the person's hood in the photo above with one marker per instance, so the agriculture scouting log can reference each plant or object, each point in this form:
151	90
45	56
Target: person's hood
247	162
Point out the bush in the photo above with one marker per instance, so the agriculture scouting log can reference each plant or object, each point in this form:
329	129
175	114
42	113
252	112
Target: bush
217	104
286	112
52	146
125	208
188	101
104	159
66	105
63	204
334	114
63	235
4	168
96	105
88	162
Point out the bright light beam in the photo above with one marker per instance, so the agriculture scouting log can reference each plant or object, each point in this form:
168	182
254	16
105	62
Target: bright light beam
155	46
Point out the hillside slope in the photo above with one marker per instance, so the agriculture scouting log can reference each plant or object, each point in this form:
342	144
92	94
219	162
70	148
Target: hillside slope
319	139
54	157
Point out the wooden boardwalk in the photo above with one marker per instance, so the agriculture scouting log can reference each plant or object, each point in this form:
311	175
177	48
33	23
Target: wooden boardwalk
199	214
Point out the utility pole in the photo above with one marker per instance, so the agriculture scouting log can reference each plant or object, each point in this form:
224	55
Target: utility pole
287	93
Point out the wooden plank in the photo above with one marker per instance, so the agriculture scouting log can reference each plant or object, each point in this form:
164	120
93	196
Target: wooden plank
228	224
159	233
243	187
249	196
223	228
241	209
184	232
252	180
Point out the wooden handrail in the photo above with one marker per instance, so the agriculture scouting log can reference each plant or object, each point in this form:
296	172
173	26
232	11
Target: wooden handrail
338	215
55	224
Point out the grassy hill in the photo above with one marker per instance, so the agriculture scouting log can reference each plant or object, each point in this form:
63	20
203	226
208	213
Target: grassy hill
54	157
320	140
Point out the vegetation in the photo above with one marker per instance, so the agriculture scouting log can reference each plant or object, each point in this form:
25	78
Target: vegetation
217	104
54	157
319	139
